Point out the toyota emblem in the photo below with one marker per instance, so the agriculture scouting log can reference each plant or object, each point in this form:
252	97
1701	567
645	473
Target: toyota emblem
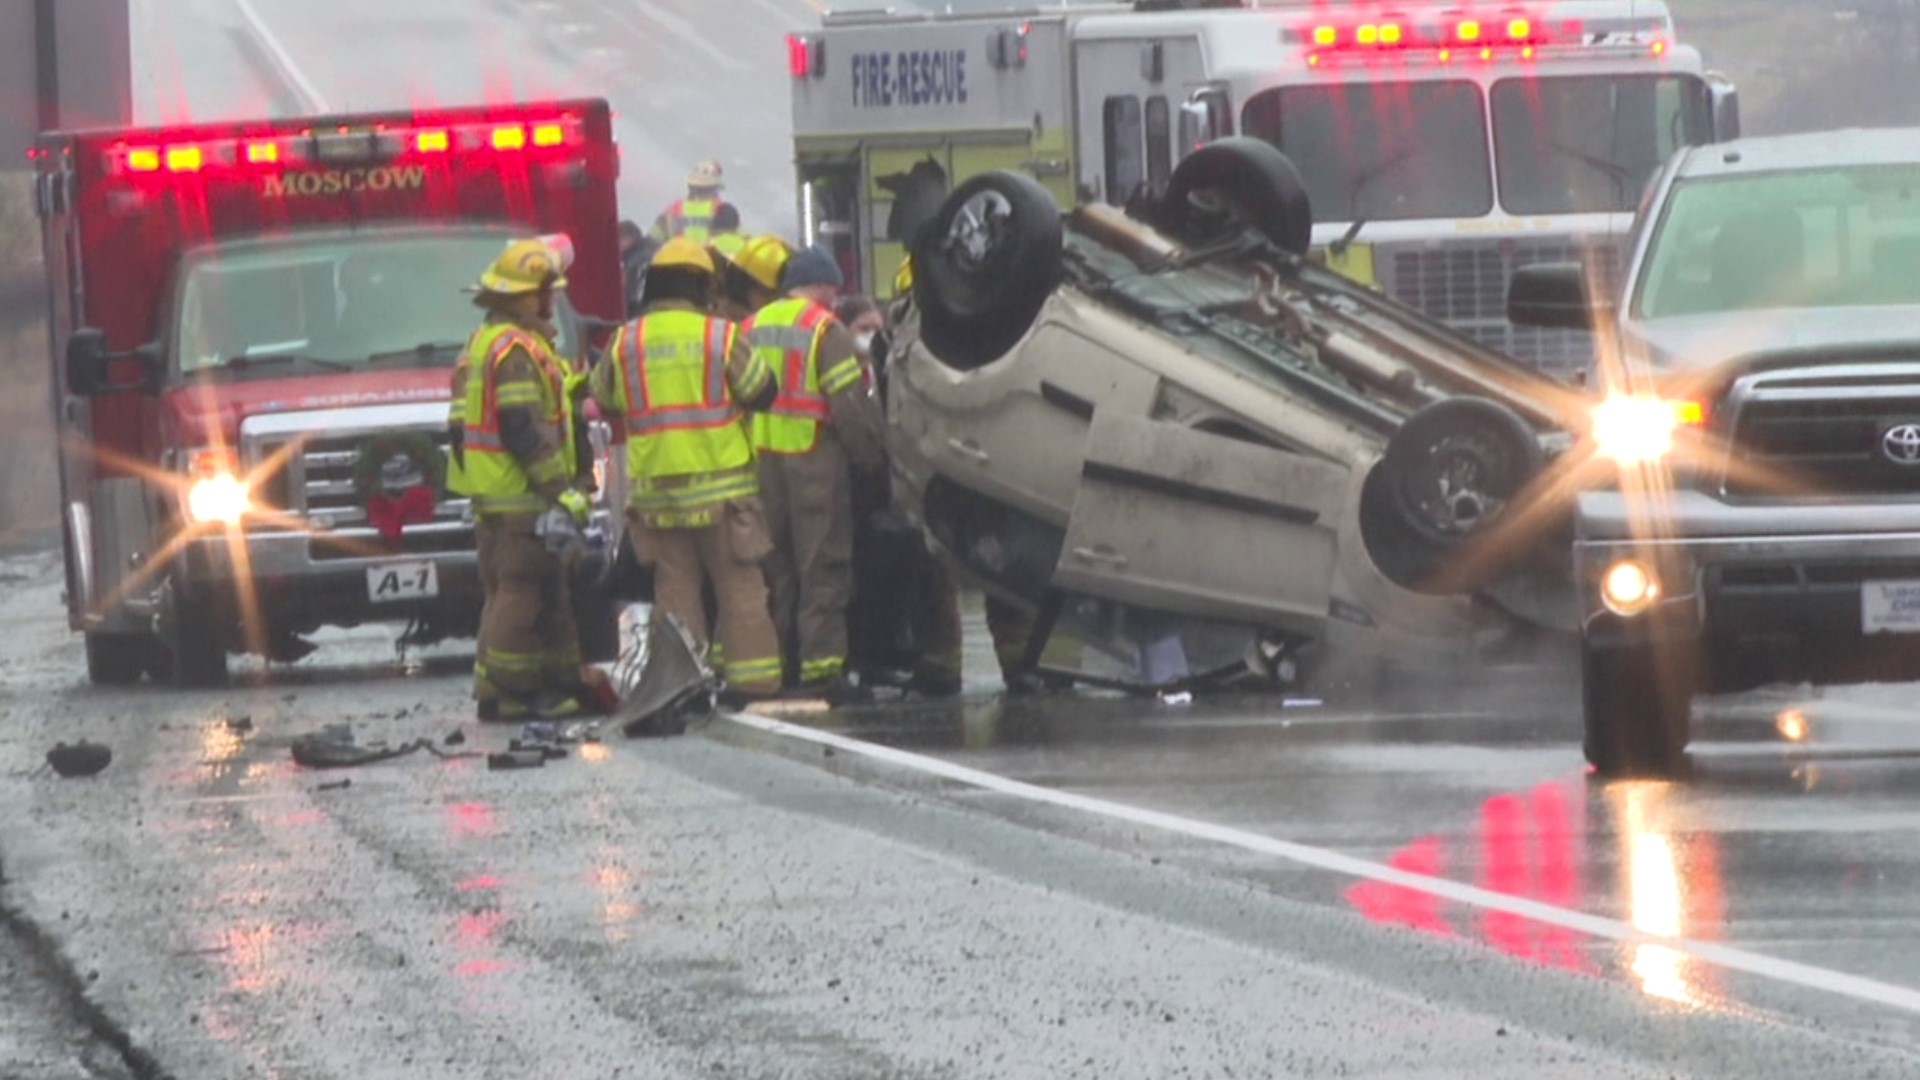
1901	444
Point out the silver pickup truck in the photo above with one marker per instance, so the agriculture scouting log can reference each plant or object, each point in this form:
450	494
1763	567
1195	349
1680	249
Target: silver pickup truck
1761	407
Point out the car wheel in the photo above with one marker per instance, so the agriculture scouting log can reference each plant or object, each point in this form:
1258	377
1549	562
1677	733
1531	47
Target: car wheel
1454	465
984	267
117	659
1636	703
192	648
1241	178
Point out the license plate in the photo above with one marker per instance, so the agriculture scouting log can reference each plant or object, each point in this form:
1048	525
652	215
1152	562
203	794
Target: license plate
393	582
1890	607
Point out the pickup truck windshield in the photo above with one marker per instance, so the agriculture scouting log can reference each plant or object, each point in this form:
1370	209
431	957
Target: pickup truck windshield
333	302
1382	151
1832	237
1589	144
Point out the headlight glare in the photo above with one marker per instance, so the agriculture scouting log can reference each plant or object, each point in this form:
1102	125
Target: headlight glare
218	499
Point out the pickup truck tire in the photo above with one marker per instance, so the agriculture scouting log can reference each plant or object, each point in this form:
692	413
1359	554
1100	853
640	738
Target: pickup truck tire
192	650
1453	466
1250	176
117	659
1636	702
984	267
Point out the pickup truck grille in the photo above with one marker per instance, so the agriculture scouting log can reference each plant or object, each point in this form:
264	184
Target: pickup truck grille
1798	447
1464	284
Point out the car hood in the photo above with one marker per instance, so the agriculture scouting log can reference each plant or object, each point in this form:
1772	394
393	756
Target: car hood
206	412
1695	343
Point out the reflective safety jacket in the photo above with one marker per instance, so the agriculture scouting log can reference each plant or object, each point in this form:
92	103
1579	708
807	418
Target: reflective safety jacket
676	376
787	335
691	218
487	382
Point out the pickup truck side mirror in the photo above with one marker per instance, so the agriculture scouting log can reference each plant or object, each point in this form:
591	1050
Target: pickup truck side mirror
1555	296
90	365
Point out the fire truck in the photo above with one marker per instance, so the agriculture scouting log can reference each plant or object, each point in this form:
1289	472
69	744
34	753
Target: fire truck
253	332
1442	146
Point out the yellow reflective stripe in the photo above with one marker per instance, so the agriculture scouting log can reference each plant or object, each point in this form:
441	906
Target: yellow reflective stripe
758	375
508	504
696	495
816	670
483	440
843	375
753	670
516	395
520	663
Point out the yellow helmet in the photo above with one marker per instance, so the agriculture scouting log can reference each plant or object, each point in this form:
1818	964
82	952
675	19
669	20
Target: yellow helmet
903	280
684	254
728	245
526	266
763	258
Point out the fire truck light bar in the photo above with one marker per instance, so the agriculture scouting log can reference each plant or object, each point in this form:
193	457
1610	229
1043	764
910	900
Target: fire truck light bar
1516	32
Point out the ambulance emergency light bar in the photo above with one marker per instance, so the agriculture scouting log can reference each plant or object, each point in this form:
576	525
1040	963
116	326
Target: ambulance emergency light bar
346	145
1466	34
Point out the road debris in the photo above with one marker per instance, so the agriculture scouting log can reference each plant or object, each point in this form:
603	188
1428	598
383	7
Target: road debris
335	785
516	759
334	747
79	759
664	682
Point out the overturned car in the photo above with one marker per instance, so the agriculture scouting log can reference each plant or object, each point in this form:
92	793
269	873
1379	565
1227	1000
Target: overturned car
1188	451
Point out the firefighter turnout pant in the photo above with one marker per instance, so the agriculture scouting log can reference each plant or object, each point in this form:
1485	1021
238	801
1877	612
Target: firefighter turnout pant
809	500
726	554
529	644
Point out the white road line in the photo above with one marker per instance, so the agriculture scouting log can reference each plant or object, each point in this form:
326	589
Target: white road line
310	97
1724	956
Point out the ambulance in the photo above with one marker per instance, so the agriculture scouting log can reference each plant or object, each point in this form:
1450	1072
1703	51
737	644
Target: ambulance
1442	146
254	328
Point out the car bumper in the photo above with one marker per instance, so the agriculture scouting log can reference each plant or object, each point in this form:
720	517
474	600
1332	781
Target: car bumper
1750	579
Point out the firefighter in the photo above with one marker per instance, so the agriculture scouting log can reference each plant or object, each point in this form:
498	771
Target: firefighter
516	457
750	278
822	425
693	217
636	249
681	378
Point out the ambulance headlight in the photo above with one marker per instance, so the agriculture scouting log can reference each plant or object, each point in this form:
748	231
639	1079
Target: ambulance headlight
218	499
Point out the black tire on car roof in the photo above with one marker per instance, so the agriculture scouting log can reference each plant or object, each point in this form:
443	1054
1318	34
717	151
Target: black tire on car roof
1251	178
984	267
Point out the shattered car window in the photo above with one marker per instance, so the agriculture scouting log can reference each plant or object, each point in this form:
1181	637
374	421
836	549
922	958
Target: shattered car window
1381	152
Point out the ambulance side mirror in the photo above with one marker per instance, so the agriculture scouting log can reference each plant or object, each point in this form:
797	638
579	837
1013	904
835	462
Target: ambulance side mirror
90	366
1726	109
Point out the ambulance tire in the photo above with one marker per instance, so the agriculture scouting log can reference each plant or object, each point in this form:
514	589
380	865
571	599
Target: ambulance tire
1454	465
1254	176
985	266
117	659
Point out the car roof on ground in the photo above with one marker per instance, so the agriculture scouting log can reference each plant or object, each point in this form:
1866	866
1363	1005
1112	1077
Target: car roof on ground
1811	150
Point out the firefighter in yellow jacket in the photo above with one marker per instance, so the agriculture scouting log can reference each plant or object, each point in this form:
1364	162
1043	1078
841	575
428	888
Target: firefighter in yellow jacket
516	457
682	379
823	424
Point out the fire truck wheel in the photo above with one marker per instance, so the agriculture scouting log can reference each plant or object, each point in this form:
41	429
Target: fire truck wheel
984	267
1453	466
193	649
117	659
1242	178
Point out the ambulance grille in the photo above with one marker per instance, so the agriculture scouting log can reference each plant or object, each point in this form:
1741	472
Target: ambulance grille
1464	284
319	482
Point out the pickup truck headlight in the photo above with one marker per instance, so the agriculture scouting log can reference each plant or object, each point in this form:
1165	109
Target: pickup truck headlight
1638	430
216	495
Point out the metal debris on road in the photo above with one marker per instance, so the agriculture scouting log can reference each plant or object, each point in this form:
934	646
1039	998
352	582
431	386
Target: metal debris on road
79	759
516	759
335	785
334	747
664	682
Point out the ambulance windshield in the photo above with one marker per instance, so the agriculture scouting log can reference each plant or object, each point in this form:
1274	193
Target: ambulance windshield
1589	144
331	301
1382	151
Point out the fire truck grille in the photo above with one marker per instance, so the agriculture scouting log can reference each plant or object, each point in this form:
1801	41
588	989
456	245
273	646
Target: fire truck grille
1464	284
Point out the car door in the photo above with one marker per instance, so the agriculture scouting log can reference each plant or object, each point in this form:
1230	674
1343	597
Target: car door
1189	522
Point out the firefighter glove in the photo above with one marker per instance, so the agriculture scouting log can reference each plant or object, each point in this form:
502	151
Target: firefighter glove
575	504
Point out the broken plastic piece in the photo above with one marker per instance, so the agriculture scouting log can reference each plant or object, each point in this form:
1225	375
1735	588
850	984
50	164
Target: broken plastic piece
80	759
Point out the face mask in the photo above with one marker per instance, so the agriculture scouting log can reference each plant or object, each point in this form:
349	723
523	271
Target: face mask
864	341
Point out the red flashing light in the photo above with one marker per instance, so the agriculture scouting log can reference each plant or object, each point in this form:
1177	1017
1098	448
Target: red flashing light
263	153
549	135
1520	30
1368	34
1390	33
1468	30
1446	56
510	137
799	57
1659	48
143	159
1326	36
433	142
184	159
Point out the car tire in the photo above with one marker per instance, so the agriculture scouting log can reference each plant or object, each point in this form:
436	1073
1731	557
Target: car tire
1453	466
1636	703
117	659
984	267
597	619
1250	176
192	649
